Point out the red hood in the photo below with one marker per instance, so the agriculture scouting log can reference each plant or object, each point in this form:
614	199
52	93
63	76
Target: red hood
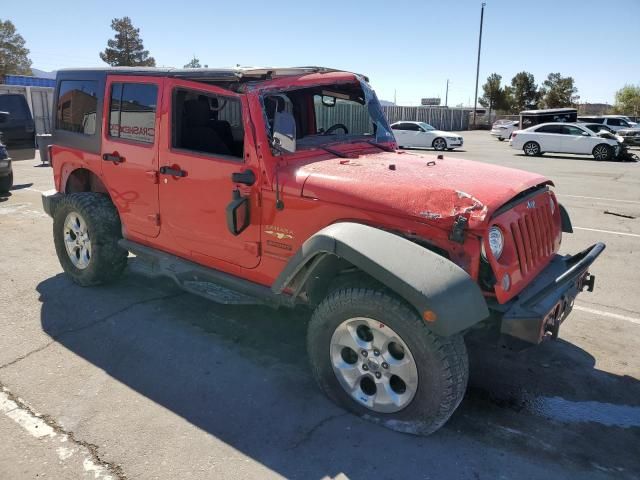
407	184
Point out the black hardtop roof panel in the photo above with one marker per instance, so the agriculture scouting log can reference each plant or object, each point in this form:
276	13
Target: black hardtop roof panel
201	74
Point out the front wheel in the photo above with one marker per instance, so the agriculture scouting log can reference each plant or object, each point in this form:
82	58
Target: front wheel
500	139
602	152
439	144
531	149
372	354
86	230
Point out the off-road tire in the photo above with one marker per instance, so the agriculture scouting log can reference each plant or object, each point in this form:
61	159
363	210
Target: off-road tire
602	152
108	260
442	363
531	149
439	144
6	183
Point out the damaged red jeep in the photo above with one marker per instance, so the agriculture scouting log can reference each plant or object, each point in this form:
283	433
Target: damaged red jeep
285	187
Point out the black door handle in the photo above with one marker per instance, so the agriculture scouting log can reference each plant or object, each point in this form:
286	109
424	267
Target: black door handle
172	172
247	177
112	157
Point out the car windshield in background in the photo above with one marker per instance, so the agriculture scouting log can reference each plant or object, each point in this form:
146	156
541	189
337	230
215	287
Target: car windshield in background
426	126
327	114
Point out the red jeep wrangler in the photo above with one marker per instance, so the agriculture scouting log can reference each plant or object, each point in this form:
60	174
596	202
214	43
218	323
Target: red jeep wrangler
284	187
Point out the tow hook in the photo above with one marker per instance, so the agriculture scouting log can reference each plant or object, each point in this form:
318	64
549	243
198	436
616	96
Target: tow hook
457	232
588	281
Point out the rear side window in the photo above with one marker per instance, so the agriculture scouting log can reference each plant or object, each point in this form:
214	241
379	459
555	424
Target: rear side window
77	105
550	129
407	126
132	111
16	106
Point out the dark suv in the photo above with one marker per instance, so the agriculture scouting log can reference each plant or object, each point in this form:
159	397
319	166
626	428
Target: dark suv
19	127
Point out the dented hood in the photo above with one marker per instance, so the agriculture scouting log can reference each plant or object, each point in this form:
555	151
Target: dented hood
420	186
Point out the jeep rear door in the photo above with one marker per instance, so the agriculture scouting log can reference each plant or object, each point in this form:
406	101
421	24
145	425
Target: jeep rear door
206	144
130	151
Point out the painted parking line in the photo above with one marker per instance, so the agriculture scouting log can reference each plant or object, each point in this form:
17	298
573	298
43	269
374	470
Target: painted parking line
600	198
607	314
612	232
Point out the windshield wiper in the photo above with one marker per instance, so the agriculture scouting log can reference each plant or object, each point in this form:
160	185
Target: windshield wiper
333	152
381	146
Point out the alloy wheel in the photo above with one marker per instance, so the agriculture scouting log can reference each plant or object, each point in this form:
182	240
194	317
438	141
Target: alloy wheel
439	144
373	365
77	241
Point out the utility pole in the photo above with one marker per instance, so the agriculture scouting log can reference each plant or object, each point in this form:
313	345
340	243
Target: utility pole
475	98
446	95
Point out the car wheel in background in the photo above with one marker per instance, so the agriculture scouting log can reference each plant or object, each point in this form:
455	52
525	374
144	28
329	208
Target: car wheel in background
602	152
439	144
6	183
531	149
500	139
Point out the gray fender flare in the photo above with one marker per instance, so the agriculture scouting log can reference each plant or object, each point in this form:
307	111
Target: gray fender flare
423	278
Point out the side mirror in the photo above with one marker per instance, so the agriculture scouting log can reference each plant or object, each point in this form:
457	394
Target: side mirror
4	117
585	134
238	214
284	132
328	101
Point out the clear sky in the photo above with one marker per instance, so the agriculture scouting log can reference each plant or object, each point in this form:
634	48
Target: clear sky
411	47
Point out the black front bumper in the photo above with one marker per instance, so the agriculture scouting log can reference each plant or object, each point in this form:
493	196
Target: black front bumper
538	311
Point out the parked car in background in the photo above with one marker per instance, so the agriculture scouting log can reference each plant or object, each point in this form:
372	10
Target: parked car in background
565	138
615	122
6	171
19	127
420	134
631	136
502	129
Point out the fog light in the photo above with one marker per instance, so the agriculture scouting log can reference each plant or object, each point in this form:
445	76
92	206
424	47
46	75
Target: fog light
506	282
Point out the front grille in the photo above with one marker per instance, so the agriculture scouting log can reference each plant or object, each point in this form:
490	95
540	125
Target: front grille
533	237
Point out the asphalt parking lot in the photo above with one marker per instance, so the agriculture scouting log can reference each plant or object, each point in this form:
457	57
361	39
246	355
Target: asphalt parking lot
141	380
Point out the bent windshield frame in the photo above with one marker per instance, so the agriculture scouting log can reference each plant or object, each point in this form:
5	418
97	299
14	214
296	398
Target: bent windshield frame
353	115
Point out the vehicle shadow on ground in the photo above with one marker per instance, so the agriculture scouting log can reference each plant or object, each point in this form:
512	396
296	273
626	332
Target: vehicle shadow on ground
240	373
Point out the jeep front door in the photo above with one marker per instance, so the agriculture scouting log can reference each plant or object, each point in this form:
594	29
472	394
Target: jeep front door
206	146
130	151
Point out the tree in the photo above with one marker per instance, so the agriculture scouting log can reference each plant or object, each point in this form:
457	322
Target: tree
14	56
126	49
494	96
559	91
628	100
193	63
524	91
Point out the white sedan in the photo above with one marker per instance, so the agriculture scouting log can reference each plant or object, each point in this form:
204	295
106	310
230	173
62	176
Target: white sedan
565	138
420	134
502	129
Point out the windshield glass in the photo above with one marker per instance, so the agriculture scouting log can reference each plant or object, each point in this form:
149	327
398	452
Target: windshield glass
325	114
426	126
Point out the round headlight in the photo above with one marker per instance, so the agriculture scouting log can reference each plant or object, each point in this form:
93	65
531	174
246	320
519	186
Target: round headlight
496	243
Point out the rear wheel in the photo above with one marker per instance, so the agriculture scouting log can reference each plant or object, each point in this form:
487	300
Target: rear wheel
439	144
6	183
372	354
602	152
86	230
500	139
531	149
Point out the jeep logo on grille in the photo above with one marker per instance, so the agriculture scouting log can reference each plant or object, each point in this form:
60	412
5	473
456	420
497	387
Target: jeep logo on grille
531	204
